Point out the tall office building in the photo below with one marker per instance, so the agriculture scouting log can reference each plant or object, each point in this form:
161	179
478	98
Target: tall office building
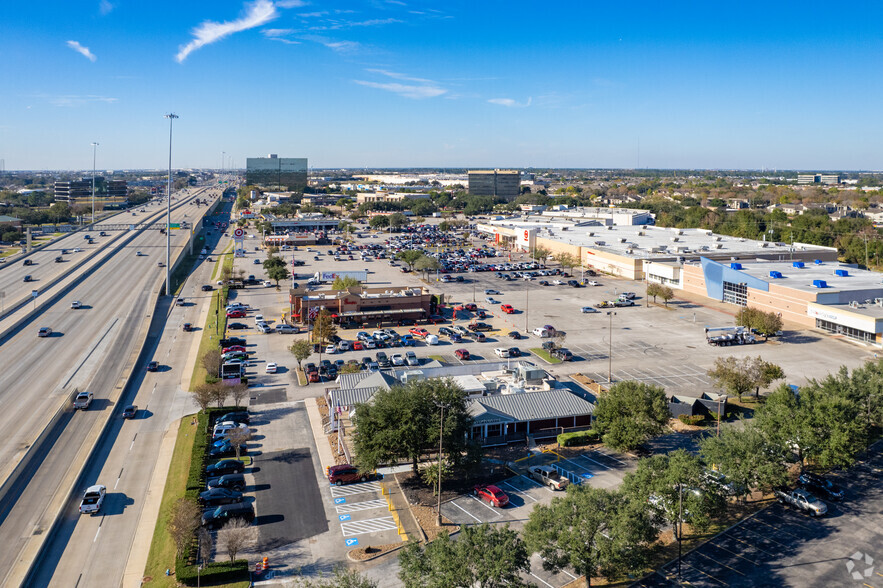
72	191
278	173
496	182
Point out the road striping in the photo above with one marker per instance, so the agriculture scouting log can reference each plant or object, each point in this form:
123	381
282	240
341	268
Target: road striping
466	511
699	552
481	502
96	535
357	506
368	526
91	351
583	456
517	491
541	580
352	489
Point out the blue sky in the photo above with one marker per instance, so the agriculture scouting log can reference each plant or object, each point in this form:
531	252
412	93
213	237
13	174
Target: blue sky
396	83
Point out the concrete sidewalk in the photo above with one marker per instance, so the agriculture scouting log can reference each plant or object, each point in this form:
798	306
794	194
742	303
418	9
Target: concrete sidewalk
326	456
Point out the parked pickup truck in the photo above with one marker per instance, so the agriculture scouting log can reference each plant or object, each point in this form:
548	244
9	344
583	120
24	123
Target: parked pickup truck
803	500
548	477
93	498
83	400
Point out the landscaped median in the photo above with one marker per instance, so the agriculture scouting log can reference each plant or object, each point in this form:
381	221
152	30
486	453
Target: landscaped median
185	480
544	355
212	331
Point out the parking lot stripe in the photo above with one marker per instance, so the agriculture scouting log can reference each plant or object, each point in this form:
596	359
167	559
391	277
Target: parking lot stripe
699	552
351	489
481	502
593	461
357	506
710	577
752	545
541	580
517	491
466	511
534	482
740	556
608	456
368	526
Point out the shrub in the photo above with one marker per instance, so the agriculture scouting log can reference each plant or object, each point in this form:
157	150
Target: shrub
212	573
691	420
578	438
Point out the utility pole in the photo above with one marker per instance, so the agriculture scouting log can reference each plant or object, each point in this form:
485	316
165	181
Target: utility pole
441	426
610	315
171	117
94	147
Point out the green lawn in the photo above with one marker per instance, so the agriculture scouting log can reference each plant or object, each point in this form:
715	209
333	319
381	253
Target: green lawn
224	259
213	329
438	358
543	354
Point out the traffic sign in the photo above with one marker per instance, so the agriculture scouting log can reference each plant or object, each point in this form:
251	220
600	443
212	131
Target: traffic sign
238	233
174	225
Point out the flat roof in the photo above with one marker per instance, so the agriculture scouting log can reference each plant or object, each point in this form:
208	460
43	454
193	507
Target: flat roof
870	310
802	278
652	242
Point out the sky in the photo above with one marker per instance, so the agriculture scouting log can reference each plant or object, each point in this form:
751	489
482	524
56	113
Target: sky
401	83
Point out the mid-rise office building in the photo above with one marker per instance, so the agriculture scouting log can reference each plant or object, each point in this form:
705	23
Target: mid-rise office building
278	173
73	190
823	179
81	190
496	182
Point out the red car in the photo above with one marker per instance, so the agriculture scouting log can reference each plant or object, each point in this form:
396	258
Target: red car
233	348
507	308
492	495
462	354
236	314
470	306
419	332
313	376
357	346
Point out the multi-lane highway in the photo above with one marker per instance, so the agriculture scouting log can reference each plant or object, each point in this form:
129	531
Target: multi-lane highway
93	349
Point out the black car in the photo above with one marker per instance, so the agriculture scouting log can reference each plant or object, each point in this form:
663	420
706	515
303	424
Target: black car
237	326
231	341
514	352
130	411
225	466
207	288
563	354
219	496
382	359
543	283
224	450
153	366
231	481
573	283
479	327
515	335
236	417
223	514
820	486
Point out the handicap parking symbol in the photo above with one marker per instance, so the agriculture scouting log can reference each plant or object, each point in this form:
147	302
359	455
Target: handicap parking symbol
352	542
587	475
339	500
344	517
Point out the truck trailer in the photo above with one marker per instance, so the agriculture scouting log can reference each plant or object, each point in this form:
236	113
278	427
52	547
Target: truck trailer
322	277
723	336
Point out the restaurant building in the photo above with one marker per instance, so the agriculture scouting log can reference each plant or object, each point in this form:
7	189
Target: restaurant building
362	305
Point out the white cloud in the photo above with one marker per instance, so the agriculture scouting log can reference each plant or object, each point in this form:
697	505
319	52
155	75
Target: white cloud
257	13
312	14
277	32
84	51
104	7
399	76
74	99
509	102
415	92
290	3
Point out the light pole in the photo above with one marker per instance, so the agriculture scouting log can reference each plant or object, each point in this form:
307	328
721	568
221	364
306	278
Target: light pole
441	426
94	147
680	526
526	308
171	118
610	315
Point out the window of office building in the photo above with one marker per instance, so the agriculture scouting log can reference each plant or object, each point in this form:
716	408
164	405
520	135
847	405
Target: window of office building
850	332
661	279
736	293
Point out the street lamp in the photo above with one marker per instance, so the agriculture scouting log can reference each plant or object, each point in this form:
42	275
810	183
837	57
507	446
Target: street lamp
171	118
610	315
94	147
441	426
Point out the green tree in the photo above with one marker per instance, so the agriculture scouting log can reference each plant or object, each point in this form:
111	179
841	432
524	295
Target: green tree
342	283
666	294
630	413
540	253
426	264
594	530
397	220
323	327
653	289
410	256
301	350
483	556
567	260
746	457
277	273
379	222
736	375
403	423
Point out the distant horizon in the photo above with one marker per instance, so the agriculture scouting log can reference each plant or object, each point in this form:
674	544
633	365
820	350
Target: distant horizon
453	169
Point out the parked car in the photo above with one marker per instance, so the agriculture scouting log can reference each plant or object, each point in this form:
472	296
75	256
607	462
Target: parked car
346	474
514	335
234	417
588	310
219	517
219	496
411	358
502	352
492	495
563	354
621	303
514	352
397	359
480	327
237	326
271	368
235	481
462	354
593	283
225	466
803	500
548	476
507	308
821	486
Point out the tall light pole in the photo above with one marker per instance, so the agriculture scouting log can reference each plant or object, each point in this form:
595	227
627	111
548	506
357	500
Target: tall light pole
94	147
610	315
171	117
441	427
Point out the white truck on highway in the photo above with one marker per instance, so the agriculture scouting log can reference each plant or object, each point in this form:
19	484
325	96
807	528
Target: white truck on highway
93	498
83	400
723	336
803	500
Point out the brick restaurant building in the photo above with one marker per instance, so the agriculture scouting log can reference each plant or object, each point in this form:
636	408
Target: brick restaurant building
362	305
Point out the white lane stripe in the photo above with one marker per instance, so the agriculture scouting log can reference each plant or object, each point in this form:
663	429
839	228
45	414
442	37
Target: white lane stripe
534	482
337	491
481	502
541	580
96	535
608	456
357	506
606	467
368	526
466	511
517	491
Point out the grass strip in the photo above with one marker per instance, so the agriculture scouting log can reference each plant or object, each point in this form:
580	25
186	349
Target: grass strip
544	355
213	329
224	259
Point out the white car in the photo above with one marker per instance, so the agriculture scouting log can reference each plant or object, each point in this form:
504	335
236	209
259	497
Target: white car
259	318
369	344
557	282
593	283
93	498
397	359
343	345
502	352
271	368
588	309
263	328
76	304
286	329
267	283
492	292
490	301
431	340
330	349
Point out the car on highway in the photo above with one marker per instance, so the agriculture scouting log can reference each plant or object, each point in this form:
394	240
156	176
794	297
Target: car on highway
588	310
153	366
491	494
347	474
237	326
257	262
83	401
225	466
462	354
207	288
271	368
28	278
76	304
92	500
215	519
548	476
130	411
219	496
138	254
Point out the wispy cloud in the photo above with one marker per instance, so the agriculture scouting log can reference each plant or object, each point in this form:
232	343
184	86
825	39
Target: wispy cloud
290	3
510	103
336	25
104	7
415	92
312	14
256	14
399	76
74	99
84	51
342	47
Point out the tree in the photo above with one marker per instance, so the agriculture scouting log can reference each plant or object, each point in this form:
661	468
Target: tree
484	556
277	273
654	289
666	294
765	374
236	536
410	256
630	413
184	520
301	350
739	375
746	457
203	395
323	327
426	264
397	220
219	392
380	221
567	260
206	544
238	437
540	253
345	282
594	530
403	423
211	361
765	323
342	578
238	392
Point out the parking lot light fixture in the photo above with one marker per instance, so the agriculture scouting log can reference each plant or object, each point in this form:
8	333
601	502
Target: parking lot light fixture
610	315
441	426
94	147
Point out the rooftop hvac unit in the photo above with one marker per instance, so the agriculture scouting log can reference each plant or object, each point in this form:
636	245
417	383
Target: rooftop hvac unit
819	284
622	239
718	245
675	239
641	233
600	243
717	238
878	301
629	251
735	266
797	264
853	304
703	248
591	234
709	233
817	261
609	227
841	272
776	275
762	244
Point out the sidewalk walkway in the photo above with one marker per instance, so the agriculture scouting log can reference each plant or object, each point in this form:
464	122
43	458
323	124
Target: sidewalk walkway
400	503
326	457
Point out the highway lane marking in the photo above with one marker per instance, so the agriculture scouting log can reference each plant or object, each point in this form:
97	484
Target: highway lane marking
133	442
91	351
118	479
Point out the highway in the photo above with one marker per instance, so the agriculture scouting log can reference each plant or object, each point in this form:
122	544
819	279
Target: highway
93	348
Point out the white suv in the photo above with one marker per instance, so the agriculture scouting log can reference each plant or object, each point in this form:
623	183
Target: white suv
288	329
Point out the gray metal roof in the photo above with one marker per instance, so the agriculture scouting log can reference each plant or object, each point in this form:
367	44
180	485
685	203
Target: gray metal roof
531	406
351	397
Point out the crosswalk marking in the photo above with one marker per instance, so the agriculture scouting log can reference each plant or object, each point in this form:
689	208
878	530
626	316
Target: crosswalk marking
368	526
357	506
351	489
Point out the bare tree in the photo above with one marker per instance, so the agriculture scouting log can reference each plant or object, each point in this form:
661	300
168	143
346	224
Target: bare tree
203	395
226	273
558	339
666	294
238	392
211	361
183	522
206	545
220	391
237	438
236	536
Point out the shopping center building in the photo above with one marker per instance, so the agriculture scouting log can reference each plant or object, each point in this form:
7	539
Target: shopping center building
362	305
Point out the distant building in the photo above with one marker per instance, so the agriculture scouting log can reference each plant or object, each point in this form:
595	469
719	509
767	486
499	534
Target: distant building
81	190
71	191
280	173
384	196
498	183
824	179
388	304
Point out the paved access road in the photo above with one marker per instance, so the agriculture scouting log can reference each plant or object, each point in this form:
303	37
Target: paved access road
91	350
